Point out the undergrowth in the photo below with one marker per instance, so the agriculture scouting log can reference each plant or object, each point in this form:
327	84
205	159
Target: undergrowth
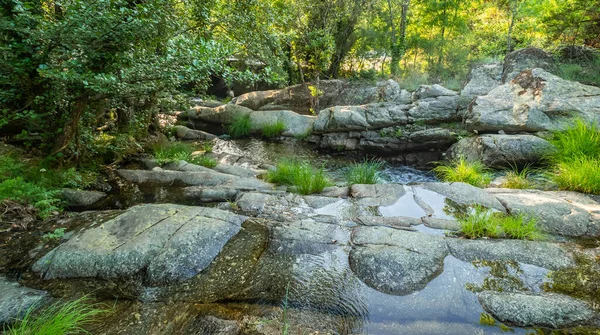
517	178
56	319
366	172
167	152
463	170
482	222
304	178
33	182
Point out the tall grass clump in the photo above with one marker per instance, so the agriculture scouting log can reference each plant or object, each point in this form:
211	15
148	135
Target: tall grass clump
463	170
482	222
580	140
273	130
166	152
203	160
517	178
366	172
57	319
240	127
576	158
304	178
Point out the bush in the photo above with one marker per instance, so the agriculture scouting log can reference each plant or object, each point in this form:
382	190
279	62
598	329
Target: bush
58	318
462	170
240	127
167	152
485	223
366	172
273	130
302	176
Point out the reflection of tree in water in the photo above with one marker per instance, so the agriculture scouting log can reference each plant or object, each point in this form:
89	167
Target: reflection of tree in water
504	276
326	284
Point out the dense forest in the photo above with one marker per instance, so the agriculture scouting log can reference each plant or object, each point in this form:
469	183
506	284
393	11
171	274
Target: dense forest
81	78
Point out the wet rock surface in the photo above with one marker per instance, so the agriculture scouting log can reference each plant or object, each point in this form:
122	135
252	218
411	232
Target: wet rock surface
547	310
15	300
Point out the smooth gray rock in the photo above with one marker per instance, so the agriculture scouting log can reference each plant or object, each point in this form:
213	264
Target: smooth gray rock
80	198
523	59
209	194
534	101
555	212
185	133
377	194
501	150
165	243
349	118
395	261
15	300
543	254
464	194
194	178
547	310
432	91
437	223
298	98
482	79
435	110
295	124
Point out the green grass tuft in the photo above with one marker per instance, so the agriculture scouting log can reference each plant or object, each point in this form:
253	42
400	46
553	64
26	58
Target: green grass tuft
301	175
366	172
581	139
203	160
482	222
576	160
273	130
58	318
517	179
167	152
240	127
580	174
462	170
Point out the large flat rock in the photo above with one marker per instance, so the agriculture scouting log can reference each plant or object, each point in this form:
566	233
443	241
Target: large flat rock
561	213
396	261
548	310
165	243
15	300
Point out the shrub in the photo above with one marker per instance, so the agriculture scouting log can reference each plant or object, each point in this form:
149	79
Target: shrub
482	222
203	161
366	172
45	200
166	152
240	127
58	318
302	176
462	170
273	130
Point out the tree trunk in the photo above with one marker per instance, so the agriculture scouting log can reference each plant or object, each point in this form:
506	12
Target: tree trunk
394	41
70	128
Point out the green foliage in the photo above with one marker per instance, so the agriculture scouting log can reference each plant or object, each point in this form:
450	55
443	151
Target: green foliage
487	320
314	91
579	140
273	130
366	172
30	182
203	160
463	170
301	175
482	222
167	152
240	127
58	318
517	178
57	234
